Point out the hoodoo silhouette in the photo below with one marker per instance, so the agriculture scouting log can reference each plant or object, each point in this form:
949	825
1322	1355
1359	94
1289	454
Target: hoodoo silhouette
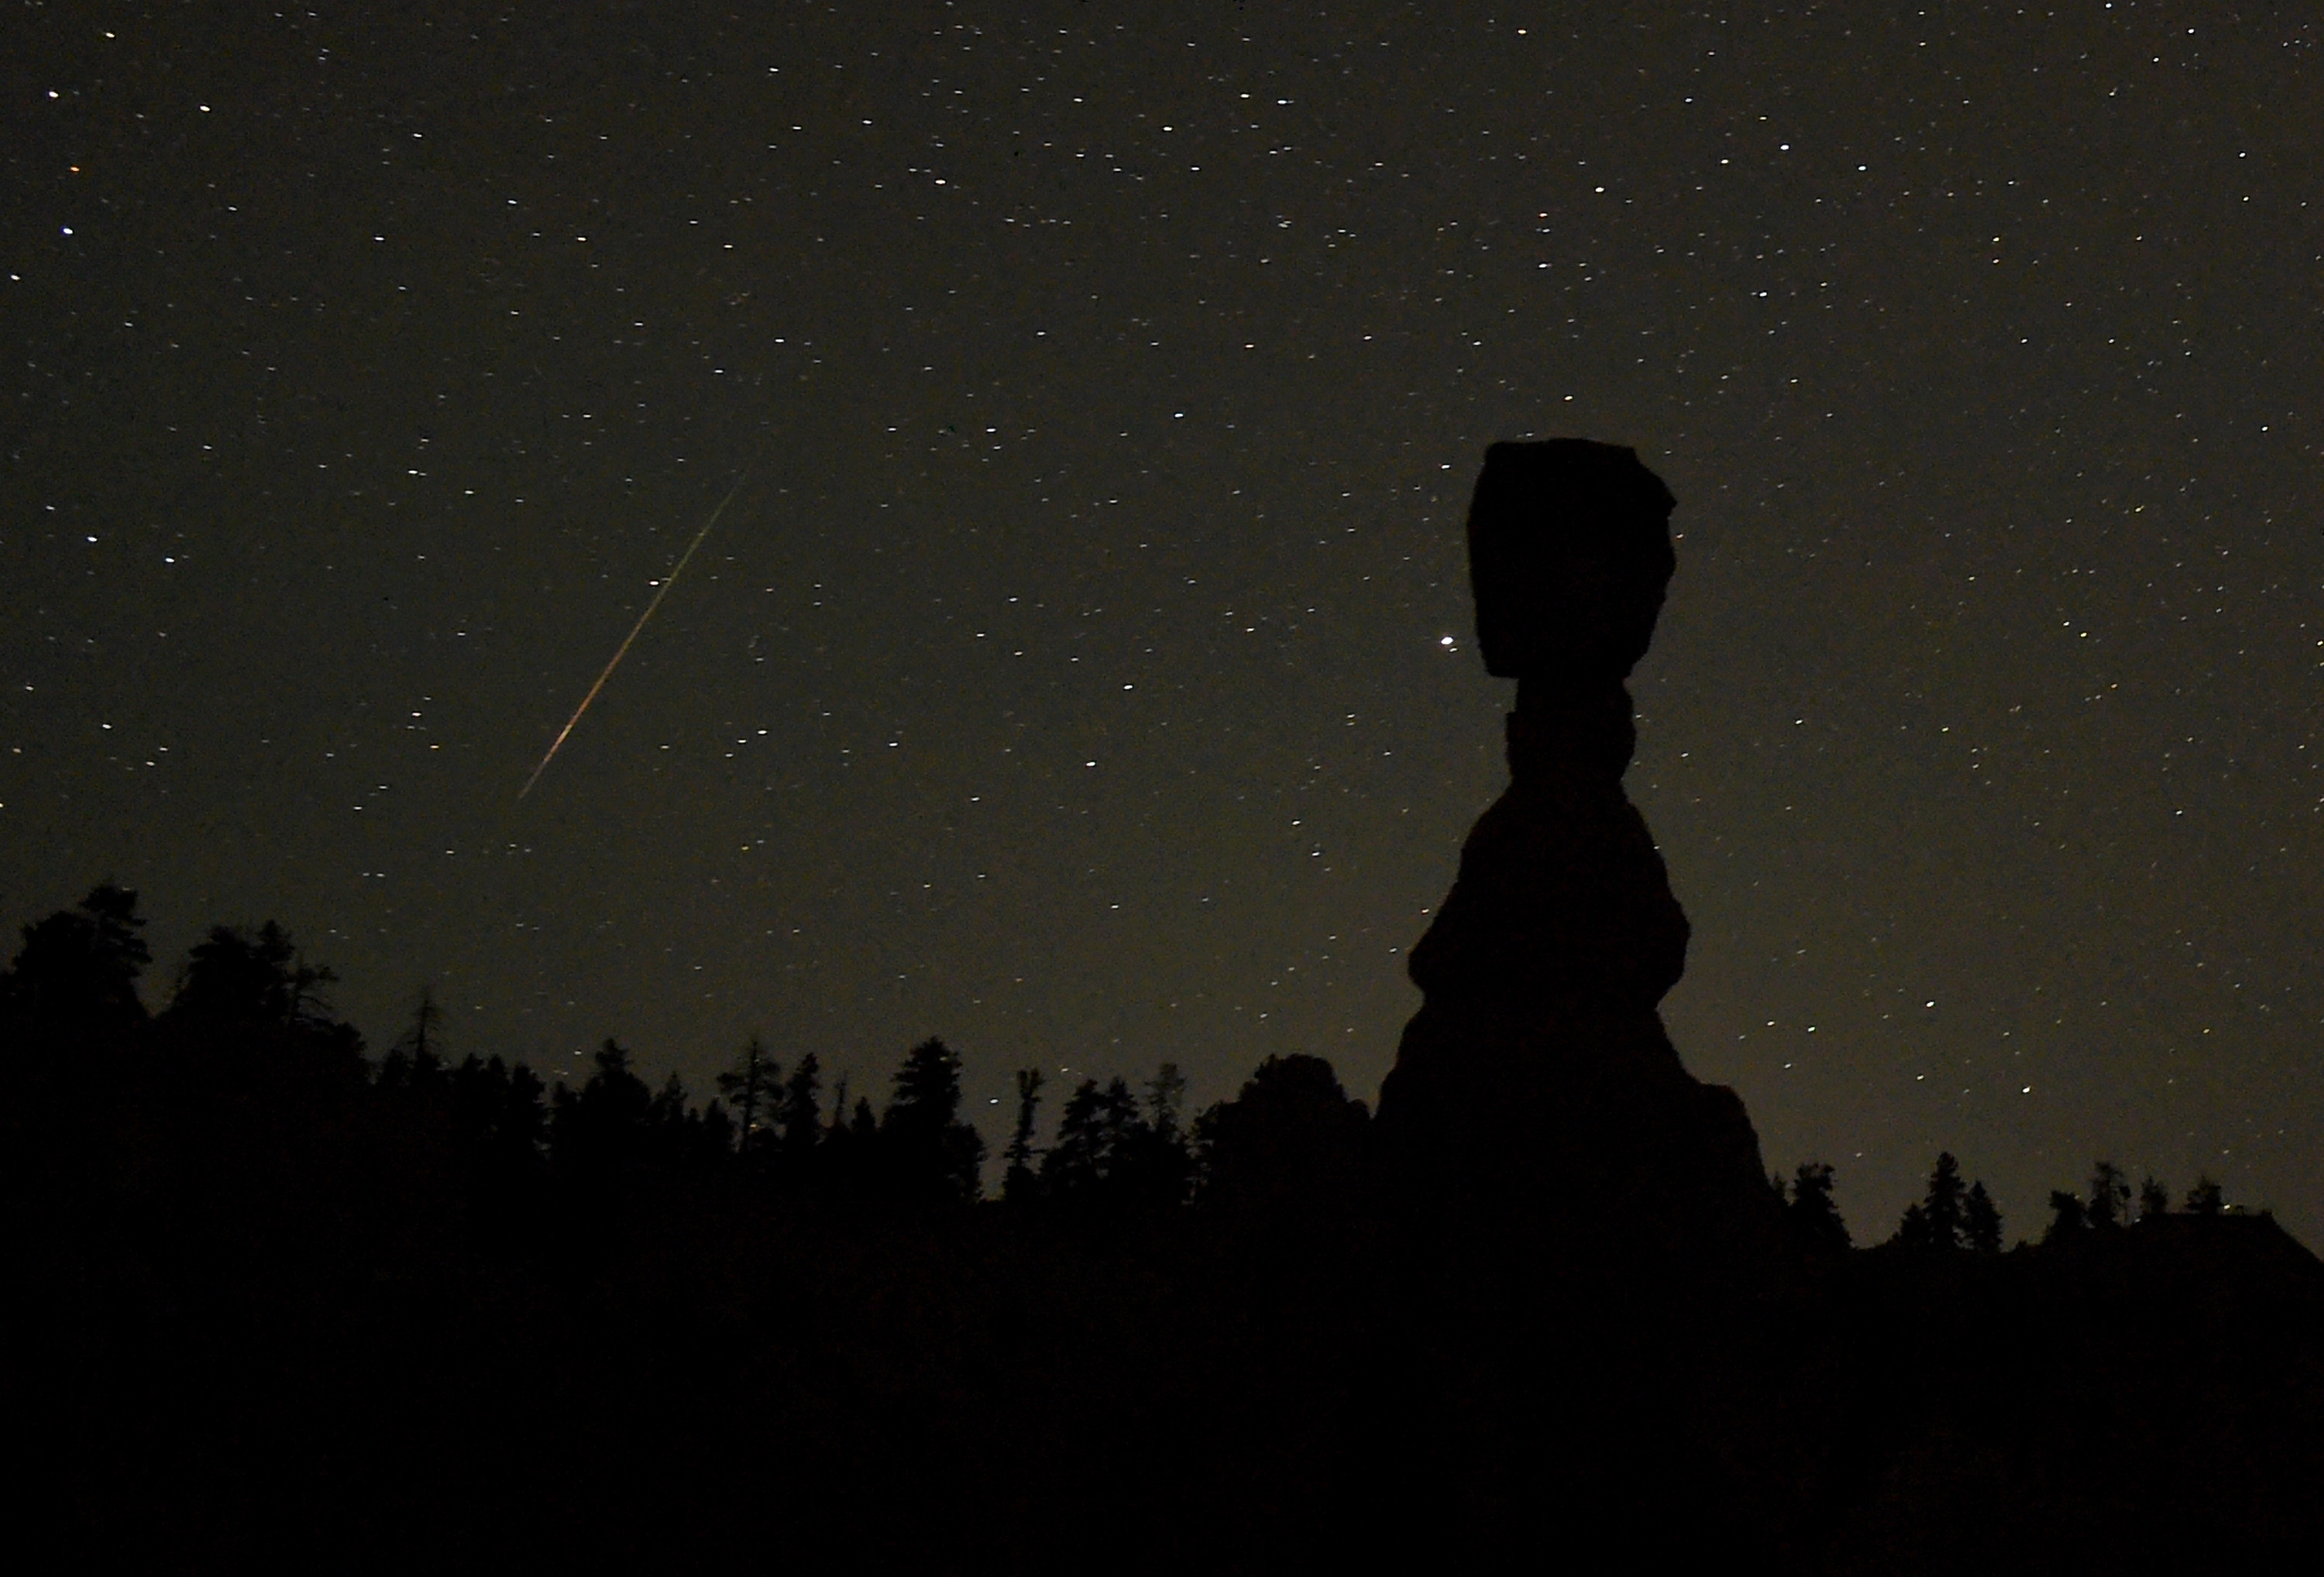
1582	1225
1535	1090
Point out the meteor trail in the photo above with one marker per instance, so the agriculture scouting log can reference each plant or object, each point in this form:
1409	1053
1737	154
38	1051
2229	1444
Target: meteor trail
622	651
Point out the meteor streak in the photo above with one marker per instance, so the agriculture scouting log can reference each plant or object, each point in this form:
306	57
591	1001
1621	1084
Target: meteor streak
622	651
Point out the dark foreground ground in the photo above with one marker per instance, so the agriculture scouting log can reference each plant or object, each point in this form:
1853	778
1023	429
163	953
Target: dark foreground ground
256	1317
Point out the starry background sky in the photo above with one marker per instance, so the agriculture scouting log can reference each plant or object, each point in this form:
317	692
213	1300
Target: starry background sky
1070	676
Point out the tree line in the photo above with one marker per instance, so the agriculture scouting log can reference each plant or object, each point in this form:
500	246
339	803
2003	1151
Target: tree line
73	982
1954	1217
1292	1132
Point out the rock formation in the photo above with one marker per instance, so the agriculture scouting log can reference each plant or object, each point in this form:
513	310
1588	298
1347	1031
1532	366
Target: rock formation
1583	1241
1580	1222
1536	1085
1579	1225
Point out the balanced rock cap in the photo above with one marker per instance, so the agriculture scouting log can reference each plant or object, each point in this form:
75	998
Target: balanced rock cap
1568	554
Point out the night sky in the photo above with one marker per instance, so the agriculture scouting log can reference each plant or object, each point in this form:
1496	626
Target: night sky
1083	671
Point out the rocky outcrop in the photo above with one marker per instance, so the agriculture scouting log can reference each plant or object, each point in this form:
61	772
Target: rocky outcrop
1536	1088
1579	1225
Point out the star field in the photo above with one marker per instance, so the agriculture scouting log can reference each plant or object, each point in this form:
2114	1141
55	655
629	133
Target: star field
1083	671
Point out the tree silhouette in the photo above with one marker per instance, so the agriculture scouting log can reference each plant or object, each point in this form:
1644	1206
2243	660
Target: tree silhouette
1291	1141
2108	1208
2205	1198
1165	1097
1096	1133
1815	1220
80	966
1950	1217
420	1075
846	1162
1934	1222
2154	1198
1943	1202
422	1039
926	1153
499	1115
1160	1164
253	989
666	1118
1112	1152
802	1108
1017	1184
1980	1221
754	1088
414	1064
235	976
681	1139
597	1133
2110	1201
837	1131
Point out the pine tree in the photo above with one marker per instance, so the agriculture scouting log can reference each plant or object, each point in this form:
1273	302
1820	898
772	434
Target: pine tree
426	1034
1912	1229
414	1064
1093	1139
1166	1098
2110	1201
802	1106
497	1111
1815	1219
1017	1185
1980	1221
1290	1142
238	977
754	1088
838	1129
928	1086
255	988
601	1130
1159	1163
1940	1220
840	1151
1944	1203
79	968
928	1153
666	1118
